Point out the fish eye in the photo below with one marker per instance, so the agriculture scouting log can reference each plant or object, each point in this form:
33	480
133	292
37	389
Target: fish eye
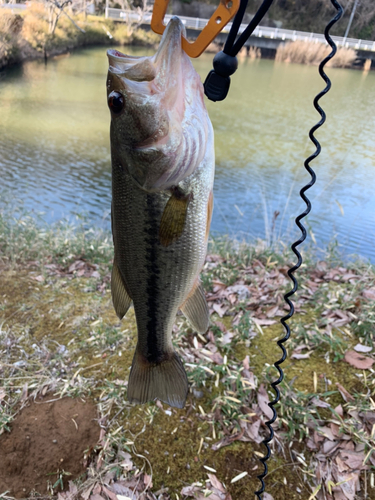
116	102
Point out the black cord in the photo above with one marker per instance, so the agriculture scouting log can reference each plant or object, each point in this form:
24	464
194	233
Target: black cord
251	27
216	85
294	246
235	27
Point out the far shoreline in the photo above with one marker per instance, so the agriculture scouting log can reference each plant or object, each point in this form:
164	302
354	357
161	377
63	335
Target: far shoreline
26	38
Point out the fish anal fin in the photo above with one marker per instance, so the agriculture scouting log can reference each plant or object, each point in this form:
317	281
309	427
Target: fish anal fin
195	308
174	217
120	297
166	380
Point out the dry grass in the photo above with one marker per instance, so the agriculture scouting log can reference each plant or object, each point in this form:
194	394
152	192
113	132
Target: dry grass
250	52
313	53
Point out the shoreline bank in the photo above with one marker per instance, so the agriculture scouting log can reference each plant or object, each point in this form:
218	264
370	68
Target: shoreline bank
27	37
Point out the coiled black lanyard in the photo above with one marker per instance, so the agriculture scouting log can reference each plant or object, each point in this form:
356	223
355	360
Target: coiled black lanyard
216	88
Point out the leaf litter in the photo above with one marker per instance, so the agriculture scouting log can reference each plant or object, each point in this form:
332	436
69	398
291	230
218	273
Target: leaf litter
335	311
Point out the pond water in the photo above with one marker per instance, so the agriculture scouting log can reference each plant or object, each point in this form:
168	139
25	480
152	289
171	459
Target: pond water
55	157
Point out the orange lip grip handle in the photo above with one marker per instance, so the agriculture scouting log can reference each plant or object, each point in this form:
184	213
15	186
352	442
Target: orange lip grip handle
223	14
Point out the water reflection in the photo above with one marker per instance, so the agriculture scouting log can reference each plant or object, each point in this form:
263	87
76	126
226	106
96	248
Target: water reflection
54	147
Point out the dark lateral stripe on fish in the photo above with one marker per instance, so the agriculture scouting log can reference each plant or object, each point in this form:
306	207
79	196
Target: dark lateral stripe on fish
154	353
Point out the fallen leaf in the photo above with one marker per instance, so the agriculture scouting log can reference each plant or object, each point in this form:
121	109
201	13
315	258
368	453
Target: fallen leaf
273	311
347	483
221	326
127	463
246	362
296	355
109	493
85	494
220	309
353	460
349	276
339	410
264	322
358	360
215	482
369	294
241	290
338	495
326	432
344	393
329	447
267	496
189	490
362	348
319	403
147	481
263	400
39	278
252	431
227	440
226	338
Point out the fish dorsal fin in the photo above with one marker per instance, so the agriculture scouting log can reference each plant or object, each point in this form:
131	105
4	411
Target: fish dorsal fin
174	217
120	297
195	308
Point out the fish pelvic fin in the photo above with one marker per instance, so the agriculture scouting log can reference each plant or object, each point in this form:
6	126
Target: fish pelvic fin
120	297
195	309
166	380
174	217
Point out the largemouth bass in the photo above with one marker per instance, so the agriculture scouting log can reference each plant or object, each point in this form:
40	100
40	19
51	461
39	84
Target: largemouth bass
162	150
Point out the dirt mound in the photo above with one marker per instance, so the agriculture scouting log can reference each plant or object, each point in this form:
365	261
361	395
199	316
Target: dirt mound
46	445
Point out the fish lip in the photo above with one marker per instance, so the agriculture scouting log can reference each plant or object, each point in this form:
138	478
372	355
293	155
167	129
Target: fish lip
170	46
152	142
117	56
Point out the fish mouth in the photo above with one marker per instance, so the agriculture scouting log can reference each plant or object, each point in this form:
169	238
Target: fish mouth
154	141
161	67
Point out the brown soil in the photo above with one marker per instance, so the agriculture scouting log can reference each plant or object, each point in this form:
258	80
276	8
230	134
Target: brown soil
46	439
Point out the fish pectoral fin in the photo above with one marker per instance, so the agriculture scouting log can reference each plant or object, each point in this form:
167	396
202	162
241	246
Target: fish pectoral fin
195	308
120	297
174	217
166	380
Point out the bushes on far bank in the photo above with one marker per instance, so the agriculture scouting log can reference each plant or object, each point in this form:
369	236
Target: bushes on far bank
10	27
313	53
28	36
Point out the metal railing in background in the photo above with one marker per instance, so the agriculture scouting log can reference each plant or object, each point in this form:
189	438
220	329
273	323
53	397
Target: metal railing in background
261	31
13	6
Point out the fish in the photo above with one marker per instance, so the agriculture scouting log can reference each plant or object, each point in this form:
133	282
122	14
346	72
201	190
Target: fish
163	163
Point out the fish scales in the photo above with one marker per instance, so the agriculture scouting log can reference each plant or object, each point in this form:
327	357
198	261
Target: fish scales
156	264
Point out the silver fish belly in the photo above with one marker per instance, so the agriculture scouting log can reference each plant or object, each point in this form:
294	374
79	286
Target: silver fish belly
162	180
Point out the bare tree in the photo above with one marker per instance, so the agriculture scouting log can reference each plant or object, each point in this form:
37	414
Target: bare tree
55	10
135	13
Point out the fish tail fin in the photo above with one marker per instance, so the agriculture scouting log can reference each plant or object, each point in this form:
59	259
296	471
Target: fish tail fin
166	380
